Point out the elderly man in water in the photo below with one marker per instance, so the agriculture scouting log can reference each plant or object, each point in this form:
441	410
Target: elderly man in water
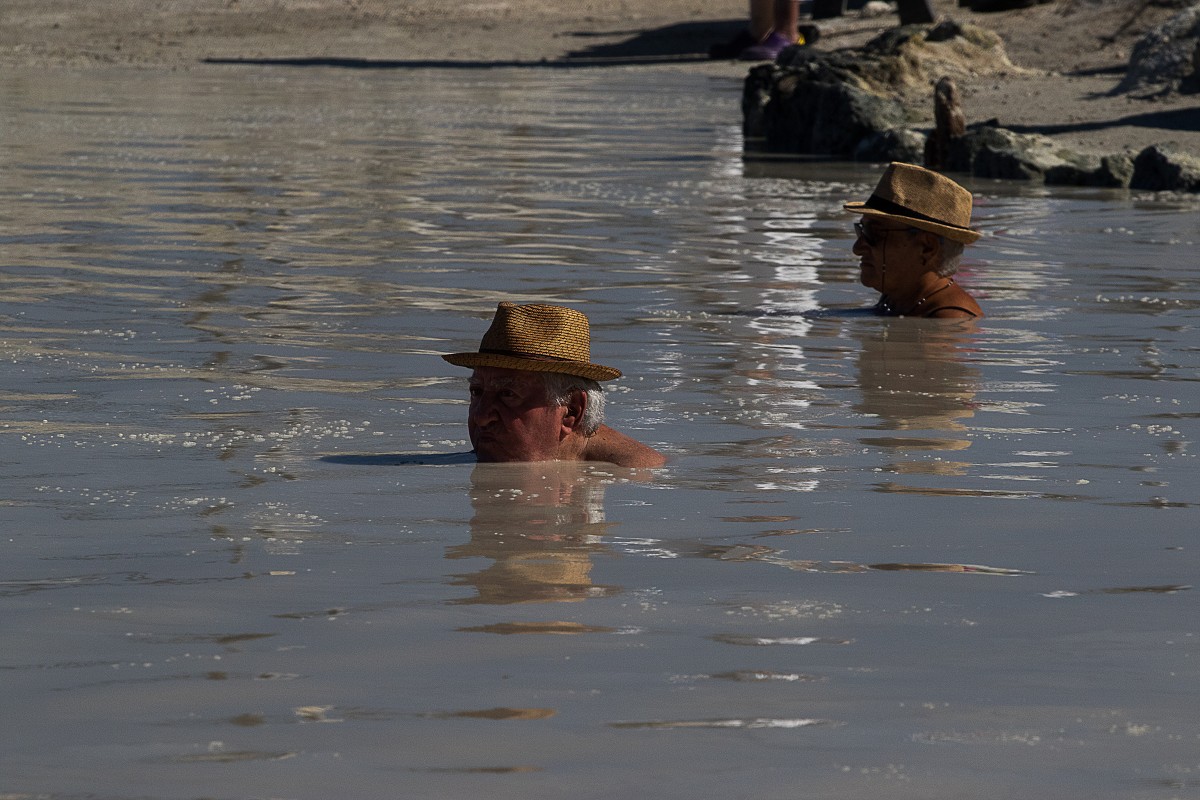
910	239
535	393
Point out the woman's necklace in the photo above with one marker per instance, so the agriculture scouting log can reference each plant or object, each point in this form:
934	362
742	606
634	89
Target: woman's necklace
884	306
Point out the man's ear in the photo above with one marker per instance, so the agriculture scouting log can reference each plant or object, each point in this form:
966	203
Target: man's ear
931	248
573	410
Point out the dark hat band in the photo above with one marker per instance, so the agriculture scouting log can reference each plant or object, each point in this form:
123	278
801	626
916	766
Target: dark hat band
877	203
530	356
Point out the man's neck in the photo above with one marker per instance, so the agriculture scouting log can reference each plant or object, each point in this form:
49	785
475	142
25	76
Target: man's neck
573	447
913	302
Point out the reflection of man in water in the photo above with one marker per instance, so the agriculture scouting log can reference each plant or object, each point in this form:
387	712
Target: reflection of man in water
910	240
916	379
535	395
540	524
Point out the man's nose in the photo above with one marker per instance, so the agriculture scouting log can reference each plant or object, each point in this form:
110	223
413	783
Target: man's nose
860	247
482	410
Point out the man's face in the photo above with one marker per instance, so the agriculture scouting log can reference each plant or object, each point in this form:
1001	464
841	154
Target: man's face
511	419
881	244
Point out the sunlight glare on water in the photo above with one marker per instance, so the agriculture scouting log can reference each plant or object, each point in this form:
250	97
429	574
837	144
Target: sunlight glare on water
246	556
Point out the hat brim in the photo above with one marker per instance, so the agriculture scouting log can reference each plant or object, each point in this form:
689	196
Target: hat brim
595	372
953	232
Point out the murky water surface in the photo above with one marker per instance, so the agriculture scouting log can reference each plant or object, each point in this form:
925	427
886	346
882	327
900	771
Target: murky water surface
889	558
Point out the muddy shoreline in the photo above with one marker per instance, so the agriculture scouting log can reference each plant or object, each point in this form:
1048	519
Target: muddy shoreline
1068	55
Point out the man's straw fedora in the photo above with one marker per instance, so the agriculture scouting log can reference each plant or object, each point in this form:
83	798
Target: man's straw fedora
539	338
922	199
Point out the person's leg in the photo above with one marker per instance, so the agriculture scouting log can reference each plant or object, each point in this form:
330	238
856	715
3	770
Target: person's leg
915	12
827	9
787	18
762	18
772	28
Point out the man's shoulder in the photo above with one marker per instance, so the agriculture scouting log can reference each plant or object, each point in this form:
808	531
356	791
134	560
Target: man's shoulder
614	447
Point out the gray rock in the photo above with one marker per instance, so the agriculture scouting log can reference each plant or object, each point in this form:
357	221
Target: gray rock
1112	171
988	151
897	144
891	40
949	123
1014	157
875	8
944	31
813	104
1191	83
1163	58
1115	170
756	93
833	104
1159	168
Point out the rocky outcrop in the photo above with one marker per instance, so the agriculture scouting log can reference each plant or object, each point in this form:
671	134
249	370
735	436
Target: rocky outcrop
949	124
1112	171
847	105
990	151
1159	168
1164	60
816	104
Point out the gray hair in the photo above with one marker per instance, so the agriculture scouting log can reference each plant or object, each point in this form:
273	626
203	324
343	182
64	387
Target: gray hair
558	391
951	254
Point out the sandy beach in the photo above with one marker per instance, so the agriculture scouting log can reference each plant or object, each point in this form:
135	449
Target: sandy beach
1068	55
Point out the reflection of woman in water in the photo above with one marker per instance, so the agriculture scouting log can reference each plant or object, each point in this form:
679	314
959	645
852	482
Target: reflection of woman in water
540	523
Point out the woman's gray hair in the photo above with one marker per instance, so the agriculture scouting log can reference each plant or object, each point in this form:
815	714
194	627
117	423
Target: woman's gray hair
951	254
558	391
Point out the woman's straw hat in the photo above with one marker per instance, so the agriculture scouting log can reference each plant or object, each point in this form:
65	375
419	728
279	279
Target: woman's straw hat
538	338
923	199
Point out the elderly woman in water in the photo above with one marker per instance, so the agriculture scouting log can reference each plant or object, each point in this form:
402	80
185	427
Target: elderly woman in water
910	239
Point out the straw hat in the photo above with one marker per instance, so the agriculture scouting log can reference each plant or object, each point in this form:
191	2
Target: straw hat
923	199
538	338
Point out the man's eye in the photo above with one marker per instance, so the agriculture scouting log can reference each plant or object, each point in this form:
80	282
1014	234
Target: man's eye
475	391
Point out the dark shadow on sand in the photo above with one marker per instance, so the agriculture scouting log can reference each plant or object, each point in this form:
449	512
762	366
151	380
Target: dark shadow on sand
682	43
688	41
400	459
1108	69
1180	119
